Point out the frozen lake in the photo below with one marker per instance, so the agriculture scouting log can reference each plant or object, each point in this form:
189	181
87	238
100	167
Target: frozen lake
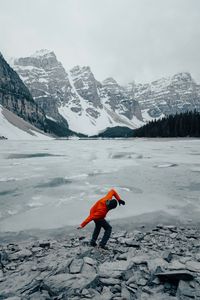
50	184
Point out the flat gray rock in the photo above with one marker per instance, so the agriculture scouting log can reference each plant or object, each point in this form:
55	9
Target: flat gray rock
60	282
63	282
154	263
110	281
20	254
76	266
132	243
89	260
184	289
193	266
113	269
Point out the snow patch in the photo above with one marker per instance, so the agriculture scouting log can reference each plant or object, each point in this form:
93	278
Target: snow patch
50	118
18	129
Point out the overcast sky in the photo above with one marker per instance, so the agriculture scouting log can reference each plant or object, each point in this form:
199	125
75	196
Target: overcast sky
139	40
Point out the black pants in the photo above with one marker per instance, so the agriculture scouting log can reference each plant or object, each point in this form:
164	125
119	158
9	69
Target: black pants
106	226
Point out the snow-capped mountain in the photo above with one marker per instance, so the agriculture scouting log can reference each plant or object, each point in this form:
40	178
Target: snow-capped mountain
47	81
76	98
121	101
170	95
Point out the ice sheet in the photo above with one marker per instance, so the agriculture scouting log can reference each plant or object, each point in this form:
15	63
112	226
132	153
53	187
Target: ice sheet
56	186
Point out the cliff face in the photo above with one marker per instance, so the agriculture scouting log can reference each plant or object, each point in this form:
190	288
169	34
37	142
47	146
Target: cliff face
119	99
15	96
170	95
47	81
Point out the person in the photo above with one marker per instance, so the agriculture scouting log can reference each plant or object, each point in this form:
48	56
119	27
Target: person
98	213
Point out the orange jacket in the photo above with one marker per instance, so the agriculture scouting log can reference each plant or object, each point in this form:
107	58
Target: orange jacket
99	209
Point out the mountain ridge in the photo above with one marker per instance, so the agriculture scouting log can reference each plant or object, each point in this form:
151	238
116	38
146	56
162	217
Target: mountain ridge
75	98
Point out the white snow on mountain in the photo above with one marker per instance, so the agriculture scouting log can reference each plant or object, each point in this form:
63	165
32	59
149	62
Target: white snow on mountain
170	95
87	106
15	128
91	120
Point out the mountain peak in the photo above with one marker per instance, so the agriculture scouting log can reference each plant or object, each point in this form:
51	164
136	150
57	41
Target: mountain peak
41	59
186	76
80	69
43	52
109	81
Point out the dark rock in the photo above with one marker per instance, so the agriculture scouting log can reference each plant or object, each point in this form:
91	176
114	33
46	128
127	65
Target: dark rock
173	276
44	244
2	278
40	296
4	258
167	255
13	247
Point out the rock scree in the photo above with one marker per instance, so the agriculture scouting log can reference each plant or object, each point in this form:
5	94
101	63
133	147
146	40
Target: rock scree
158	264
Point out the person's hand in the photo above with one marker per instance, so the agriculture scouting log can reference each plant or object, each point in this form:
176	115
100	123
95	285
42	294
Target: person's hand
79	227
121	202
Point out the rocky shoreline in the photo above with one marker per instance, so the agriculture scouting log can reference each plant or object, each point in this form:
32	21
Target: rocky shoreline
162	263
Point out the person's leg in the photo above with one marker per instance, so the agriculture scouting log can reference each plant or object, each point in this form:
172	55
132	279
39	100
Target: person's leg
107	233
95	233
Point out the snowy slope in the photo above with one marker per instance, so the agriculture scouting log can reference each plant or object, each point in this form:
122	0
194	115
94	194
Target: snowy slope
92	120
15	128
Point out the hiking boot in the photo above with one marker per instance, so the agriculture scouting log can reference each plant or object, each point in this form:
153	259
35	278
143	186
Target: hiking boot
93	244
104	247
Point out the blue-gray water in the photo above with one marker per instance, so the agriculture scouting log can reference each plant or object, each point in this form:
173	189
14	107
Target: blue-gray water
49	184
